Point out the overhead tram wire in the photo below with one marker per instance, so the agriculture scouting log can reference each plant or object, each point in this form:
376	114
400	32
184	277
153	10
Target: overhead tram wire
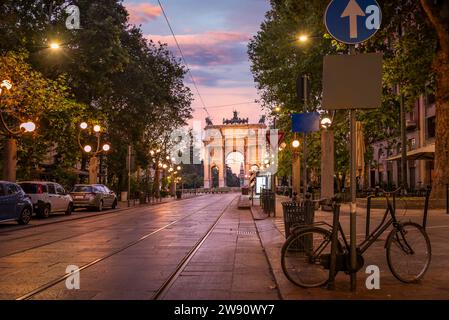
231	105
182	57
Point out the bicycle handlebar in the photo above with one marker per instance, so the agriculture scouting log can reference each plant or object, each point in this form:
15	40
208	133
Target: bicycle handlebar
382	191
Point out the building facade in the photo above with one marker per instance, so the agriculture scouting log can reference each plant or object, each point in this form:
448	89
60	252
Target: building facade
385	168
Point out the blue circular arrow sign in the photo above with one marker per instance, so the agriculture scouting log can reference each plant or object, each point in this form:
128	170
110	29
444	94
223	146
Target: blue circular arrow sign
353	21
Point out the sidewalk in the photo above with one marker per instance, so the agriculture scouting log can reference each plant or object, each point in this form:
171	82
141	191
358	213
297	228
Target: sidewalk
435	284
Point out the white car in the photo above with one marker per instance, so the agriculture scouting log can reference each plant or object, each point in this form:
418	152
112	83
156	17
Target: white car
48	197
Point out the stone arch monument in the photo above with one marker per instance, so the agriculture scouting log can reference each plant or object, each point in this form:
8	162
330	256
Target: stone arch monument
234	135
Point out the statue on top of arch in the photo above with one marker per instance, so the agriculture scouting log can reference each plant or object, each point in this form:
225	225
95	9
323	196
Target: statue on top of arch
236	120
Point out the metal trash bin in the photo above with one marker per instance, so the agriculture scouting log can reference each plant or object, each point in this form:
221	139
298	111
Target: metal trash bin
296	213
267	201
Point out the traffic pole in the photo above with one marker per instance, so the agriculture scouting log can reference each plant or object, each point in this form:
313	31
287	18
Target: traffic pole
353	214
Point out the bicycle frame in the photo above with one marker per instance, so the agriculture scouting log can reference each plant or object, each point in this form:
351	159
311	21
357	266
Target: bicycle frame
373	236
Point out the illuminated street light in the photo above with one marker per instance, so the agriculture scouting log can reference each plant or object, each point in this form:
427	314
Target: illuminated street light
87	149
164	166
303	38
167	157
326	123
5	84
295	144
179	168
28	126
278	109
97	128
83	125
152	152
106	147
55	46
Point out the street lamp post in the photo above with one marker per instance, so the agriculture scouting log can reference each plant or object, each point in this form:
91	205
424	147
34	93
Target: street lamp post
296	168
93	152
277	110
10	152
327	159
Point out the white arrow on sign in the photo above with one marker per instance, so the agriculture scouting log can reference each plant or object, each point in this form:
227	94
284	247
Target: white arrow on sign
352	11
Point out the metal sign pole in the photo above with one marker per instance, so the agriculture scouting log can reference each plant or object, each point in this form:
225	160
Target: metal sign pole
342	20
353	215
306	95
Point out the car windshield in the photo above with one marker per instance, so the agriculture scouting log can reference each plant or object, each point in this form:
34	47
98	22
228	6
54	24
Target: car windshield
30	188
82	189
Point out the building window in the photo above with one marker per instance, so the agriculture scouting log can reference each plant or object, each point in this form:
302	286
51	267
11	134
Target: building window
411	144
431	127
430	99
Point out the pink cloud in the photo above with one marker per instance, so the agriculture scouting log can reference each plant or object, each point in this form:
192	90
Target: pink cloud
225	96
142	12
210	48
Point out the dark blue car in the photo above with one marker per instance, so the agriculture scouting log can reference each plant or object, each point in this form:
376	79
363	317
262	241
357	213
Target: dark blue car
14	203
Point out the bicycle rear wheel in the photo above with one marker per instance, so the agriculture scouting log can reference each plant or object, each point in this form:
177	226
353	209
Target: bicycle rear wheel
305	255
408	252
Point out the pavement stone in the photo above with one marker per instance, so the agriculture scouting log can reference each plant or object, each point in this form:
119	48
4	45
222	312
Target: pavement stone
434	286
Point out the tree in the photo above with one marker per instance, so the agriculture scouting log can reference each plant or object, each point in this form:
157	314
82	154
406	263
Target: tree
437	13
45	102
405	39
133	86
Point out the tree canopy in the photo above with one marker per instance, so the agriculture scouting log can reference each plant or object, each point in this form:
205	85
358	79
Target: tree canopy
407	40
131	85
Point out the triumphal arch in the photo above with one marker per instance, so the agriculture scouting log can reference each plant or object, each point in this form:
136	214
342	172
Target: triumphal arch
235	135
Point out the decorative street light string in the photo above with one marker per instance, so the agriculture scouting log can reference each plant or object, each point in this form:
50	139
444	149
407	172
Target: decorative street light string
182	57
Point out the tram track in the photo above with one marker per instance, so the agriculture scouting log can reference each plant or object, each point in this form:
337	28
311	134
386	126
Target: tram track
99	228
163	289
101	217
166	285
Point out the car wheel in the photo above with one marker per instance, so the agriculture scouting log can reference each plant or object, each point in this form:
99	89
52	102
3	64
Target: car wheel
100	206
25	216
69	209
45	212
114	204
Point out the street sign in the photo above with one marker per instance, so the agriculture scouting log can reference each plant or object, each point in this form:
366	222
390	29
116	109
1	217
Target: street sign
301	83
353	21
306	122
281	136
252	179
352	81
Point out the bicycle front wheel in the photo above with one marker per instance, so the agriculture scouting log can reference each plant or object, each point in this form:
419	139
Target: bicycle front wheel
408	252
305	256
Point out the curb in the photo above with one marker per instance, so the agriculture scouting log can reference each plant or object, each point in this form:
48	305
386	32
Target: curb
276	277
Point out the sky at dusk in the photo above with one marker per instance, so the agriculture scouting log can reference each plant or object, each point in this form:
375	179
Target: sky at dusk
213	36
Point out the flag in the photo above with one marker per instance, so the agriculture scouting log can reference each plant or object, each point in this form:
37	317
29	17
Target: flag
306	122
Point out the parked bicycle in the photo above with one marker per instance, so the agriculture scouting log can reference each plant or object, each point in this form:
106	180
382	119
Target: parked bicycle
306	255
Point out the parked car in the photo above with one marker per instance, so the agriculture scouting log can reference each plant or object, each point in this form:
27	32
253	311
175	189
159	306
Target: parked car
95	196
48	197
14	203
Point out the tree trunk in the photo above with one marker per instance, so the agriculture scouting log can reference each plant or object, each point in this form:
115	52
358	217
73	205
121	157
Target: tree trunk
442	126
437	14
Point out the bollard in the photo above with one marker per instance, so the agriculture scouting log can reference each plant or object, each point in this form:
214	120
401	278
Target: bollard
426	207
334	246
368	217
